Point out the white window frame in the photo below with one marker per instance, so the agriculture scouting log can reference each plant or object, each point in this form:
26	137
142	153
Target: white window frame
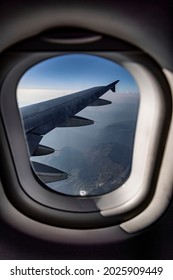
153	121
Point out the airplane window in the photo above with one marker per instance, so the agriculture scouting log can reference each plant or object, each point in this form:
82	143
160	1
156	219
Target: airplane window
79	114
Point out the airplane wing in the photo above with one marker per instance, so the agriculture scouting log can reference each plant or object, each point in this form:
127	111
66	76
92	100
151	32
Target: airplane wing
41	118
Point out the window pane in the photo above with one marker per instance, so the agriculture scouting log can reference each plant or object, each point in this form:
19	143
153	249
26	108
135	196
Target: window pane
79	114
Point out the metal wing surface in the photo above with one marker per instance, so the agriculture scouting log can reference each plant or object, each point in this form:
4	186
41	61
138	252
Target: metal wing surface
41	118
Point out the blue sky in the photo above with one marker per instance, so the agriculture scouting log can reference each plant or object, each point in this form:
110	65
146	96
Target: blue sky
77	72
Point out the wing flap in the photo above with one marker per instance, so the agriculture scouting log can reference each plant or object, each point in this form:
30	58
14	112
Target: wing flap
33	141
100	102
76	121
47	173
42	150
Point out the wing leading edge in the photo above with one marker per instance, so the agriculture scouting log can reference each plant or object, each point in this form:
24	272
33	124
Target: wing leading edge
41	118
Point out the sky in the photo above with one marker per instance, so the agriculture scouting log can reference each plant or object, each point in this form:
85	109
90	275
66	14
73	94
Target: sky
73	72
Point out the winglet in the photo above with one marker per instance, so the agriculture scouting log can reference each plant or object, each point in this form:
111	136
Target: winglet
112	85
